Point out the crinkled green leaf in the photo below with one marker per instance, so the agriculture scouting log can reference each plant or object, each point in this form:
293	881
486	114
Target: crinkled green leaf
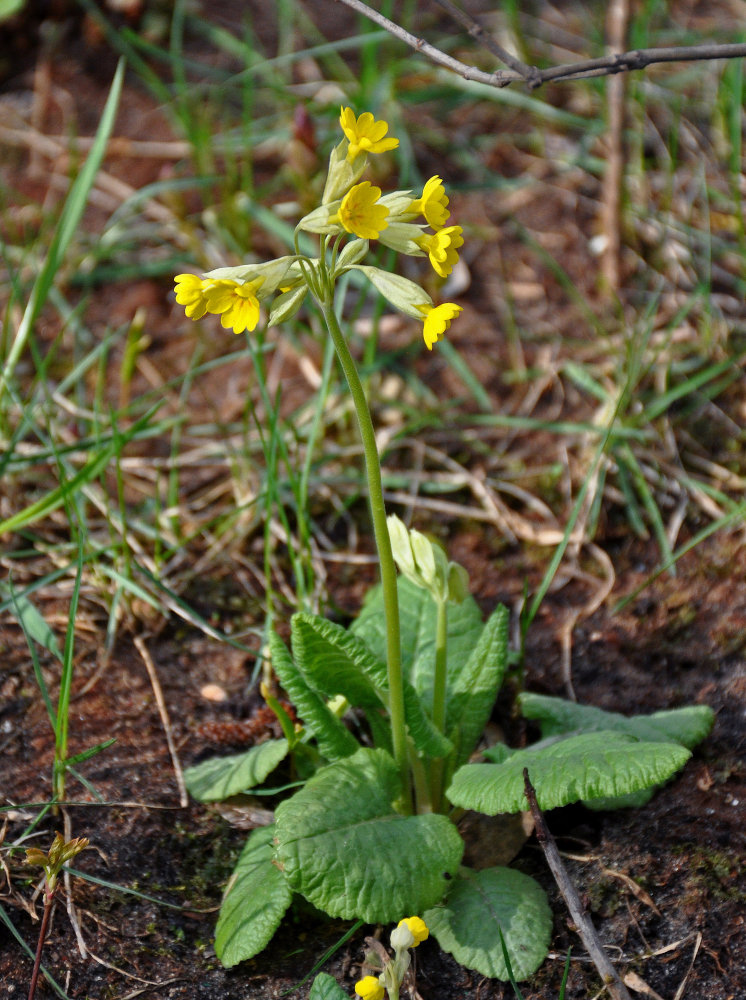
334	740
589	766
325	987
341	844
687	726
417	615
221	777
480	903
258	896
475	687
336	661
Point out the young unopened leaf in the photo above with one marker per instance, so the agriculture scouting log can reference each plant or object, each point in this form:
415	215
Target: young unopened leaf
221	777
254	904
341	844
589	766
334	740
481	903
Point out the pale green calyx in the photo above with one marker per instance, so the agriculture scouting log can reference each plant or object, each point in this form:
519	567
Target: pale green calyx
274	273
403	294
342	174
425	563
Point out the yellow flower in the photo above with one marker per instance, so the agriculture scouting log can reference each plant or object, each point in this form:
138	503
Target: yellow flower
359	212
417	925
369	988
191	292
235	302
437	321
433	203
441	248
365	134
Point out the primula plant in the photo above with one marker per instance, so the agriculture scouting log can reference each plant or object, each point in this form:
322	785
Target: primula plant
392	709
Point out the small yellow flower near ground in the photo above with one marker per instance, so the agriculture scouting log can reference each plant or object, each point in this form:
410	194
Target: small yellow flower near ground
433	203
441	248
417	925
368	988
437	321
235	303
191	292
360	212
365	134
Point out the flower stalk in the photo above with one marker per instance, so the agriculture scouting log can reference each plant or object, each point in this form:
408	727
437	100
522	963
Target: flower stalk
383	545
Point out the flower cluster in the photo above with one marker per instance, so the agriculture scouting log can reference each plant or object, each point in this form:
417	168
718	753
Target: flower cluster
350	207
408	934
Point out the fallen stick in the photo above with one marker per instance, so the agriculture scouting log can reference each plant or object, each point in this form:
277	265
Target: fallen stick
582	921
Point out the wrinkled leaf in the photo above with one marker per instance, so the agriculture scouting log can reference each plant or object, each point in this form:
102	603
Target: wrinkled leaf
254	904
417	614
589	766
481	902
221	777
474	690
325	987
687	726
341	844
333	738
336	661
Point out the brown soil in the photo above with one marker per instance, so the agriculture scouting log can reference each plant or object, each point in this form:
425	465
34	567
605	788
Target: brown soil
665	884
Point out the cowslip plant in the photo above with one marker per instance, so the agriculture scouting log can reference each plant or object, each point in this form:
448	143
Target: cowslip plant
392	709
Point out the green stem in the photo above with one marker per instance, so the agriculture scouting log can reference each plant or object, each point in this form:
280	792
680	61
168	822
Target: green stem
383	545
439	696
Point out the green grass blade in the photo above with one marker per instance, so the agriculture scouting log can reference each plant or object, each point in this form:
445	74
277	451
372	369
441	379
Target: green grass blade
68	223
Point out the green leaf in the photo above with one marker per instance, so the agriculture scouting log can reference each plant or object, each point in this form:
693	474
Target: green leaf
334	740
417	613
687	726
342	845
221	777
325	987
479	905
254	904
336	661
475	688
10	7
33	623
75	203
589	766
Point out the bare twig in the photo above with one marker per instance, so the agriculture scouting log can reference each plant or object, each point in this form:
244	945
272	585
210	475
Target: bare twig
482	37
582	922
607	65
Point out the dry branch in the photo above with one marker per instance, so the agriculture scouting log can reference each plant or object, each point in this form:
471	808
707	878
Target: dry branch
534	77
